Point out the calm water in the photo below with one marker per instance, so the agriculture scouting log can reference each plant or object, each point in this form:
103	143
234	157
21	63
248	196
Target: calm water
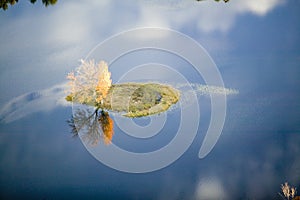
256	48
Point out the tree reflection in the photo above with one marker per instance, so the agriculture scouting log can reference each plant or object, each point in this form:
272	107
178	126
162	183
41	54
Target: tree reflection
92	125
5	3
107	125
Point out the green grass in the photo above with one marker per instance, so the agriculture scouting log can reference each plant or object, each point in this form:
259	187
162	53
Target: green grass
137	99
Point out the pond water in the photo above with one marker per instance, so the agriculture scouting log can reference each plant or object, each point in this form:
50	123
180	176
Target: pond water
189	152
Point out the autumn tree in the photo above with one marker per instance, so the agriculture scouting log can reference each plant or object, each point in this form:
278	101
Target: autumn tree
90	82
104	82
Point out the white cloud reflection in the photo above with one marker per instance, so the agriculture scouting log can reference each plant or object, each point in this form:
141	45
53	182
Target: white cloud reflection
79	22
43	100
210	188
209	16
47	45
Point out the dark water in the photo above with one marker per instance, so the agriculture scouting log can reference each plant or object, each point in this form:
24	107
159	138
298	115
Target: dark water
256	49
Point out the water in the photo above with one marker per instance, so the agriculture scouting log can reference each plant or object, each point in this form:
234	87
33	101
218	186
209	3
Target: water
256	152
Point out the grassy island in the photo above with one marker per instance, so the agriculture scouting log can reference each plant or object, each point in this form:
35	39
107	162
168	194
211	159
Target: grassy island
134	99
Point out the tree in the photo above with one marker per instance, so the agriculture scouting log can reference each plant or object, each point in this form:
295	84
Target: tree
46	2
104	82
90	83
4	3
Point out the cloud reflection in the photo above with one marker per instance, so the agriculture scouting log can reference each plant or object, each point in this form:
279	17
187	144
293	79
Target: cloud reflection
38	101
210	188
210	16
66	33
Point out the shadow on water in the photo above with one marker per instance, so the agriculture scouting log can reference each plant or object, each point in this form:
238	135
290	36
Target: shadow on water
92	126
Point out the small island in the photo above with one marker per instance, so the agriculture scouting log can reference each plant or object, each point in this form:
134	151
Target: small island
135	99
92	86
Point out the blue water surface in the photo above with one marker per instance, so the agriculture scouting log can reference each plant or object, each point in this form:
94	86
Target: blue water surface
256	48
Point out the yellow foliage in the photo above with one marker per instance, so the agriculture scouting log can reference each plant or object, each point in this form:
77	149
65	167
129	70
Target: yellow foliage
90	82
107	125
104	82
72	79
